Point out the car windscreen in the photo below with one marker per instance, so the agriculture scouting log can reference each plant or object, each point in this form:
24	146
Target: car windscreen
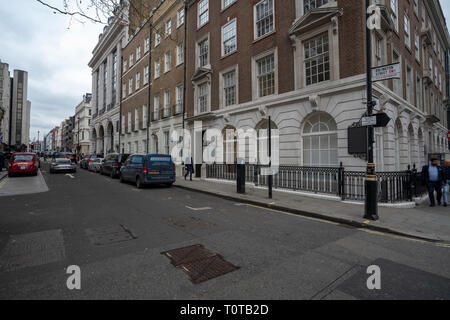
23	157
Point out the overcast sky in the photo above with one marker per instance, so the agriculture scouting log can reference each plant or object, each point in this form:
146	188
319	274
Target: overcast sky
55	52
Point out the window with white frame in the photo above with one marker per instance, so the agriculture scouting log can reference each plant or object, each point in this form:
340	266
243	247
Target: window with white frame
203	53
308	5
166	110
379	150
131	59
129	122
130	86
203	97
157	38
167	61
229	88
156	107
264	18
407	25
419	93
146	74
144	116
394	13
379	50
138	53
416	7
123	124
124	90
180	53
227	3
229	43
320	146
265	72
138	80
157	68
167	142
179	97
396	82
317	59
125	65
136	119
180	17
146	44
203	12
417	45
168	28
409	89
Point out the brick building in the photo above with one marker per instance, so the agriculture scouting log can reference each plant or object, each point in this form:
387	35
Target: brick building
302	62
154	56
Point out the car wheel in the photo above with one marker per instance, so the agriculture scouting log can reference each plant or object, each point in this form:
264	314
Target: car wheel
10	174
121	179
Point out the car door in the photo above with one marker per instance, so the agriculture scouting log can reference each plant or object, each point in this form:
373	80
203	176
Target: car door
137	163
125	169
107	165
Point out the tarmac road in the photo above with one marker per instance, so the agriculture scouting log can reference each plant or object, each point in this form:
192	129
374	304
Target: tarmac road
115	233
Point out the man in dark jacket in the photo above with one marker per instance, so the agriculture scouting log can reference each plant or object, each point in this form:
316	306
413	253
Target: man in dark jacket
433	176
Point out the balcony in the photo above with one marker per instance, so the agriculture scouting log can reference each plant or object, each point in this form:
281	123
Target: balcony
177	109
427	76
427	37
166	112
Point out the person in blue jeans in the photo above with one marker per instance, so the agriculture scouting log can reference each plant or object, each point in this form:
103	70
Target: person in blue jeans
433	177
446	181
189	168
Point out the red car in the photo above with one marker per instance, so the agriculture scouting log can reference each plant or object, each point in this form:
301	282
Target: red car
23	163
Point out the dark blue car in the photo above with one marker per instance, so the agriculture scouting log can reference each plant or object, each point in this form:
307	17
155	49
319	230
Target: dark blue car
144	169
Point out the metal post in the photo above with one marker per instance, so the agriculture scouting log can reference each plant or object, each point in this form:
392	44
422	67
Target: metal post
270	159
370	211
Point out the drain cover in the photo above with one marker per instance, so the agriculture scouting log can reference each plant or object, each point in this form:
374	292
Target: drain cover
199	263
109	235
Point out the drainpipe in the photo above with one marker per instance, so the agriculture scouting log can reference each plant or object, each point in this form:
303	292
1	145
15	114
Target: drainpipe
149	114
185	75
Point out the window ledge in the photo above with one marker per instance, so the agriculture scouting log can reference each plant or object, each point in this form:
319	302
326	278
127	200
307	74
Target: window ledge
264	36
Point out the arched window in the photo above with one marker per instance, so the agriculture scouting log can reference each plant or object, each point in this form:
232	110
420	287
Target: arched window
229	145
320	141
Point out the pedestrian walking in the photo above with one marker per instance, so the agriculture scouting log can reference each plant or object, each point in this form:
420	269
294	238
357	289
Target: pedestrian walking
433	176
189	168
446	181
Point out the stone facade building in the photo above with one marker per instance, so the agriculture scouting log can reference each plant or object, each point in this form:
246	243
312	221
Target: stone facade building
302	62
106	66
82	118
5	104
19	132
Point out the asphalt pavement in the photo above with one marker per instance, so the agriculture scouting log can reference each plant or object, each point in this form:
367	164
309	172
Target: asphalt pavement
116	233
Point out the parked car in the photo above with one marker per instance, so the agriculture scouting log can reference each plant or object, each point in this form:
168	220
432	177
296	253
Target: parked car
143	169
23	163
95	165
113	163
86	160
62	165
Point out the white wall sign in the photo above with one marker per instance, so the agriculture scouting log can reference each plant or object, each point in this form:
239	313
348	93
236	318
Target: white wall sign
390	71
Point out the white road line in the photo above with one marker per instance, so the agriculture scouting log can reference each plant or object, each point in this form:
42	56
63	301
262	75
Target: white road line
199	209
70	175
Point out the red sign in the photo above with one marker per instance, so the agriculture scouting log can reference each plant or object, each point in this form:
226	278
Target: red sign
448	135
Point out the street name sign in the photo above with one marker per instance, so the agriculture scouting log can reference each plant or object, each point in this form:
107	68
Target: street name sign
390	71
377	120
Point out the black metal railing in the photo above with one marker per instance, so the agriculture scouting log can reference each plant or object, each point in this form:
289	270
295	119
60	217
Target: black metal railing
393	187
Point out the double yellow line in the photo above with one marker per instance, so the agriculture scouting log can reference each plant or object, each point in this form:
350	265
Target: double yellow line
3	182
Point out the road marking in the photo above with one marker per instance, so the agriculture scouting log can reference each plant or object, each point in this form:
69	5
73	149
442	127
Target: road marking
3	182
70	175
198	209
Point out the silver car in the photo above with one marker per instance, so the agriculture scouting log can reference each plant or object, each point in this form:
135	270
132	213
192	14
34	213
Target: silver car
95	165
62	165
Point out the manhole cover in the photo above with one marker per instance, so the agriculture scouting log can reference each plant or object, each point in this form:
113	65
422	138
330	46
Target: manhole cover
199	263
190	223
109	235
